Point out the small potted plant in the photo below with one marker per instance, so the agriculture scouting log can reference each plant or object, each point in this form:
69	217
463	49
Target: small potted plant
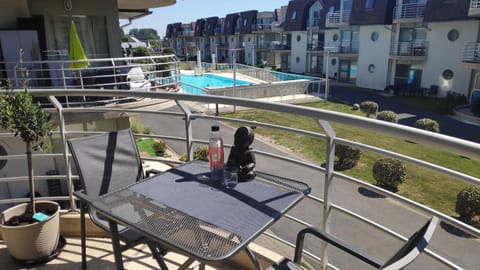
30	231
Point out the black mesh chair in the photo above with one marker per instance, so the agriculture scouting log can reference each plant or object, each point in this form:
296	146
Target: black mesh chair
404	256
104	163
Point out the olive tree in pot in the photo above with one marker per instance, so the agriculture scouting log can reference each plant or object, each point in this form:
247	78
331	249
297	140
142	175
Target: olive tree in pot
31	230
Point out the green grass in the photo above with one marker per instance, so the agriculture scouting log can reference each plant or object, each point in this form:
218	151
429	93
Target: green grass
145	146
427	187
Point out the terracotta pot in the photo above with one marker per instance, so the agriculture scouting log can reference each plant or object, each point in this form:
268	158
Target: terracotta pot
33	241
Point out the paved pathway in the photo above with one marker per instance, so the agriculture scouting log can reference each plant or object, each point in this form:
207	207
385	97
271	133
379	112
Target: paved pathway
448	125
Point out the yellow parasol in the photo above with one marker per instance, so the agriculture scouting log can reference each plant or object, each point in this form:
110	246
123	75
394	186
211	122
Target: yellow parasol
75	49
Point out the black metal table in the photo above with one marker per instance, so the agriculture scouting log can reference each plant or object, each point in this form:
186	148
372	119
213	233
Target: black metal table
200	219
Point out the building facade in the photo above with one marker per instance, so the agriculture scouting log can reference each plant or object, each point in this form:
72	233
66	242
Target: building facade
412	46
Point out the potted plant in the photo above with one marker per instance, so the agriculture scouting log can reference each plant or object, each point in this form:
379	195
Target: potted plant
30	231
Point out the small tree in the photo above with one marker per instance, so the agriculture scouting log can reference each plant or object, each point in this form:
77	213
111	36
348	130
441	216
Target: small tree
388	116
21	115
389	173
468	204
347	157
427	124
159	147
369	108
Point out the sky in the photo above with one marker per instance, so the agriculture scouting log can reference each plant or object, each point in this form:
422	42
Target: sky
186	11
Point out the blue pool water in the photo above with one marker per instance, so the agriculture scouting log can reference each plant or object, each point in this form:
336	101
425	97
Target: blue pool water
209	80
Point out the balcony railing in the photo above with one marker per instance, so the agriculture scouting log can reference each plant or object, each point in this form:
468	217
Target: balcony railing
318	46
413	48
335	19
330	189
471	53
409	11
344	47
474	8
281	47
127	73
187	33
263	27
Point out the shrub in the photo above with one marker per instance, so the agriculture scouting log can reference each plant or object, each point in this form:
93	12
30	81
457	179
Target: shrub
356	107
369	108
200	153
141	51
388	116
347	157
452	100
389	173
159	147
427	124
468	204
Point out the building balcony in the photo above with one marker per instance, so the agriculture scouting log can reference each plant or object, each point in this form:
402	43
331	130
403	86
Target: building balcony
315	47
262	28
413	49
474	10
362	214
337	19
471	55
186	33
345	48
409	13
277	46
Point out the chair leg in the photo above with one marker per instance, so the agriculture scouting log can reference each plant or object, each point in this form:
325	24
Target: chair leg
158	254
253	258
83	236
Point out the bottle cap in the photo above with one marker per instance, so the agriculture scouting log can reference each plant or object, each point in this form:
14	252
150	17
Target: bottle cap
215	128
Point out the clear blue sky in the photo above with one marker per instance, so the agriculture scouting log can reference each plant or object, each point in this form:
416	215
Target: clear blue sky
186	11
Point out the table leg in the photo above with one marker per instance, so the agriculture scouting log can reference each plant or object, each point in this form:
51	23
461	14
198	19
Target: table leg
116	244
186	264
83	235
253	258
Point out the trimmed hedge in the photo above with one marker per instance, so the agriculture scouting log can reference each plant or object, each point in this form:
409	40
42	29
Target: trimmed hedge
388	116
427	124
389	173
468	204
347	157
369	108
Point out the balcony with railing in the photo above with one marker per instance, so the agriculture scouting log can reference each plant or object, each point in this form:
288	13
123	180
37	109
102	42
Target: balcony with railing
417	49
315	47
277	46
344	47
471	55
360	213
186	33
262	28
338	18
312	23
474	10
409	12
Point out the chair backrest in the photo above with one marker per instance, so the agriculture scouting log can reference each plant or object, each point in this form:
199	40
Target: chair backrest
413	247
106	162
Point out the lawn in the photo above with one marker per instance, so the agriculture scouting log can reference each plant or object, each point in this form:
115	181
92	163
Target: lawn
145	146
430	188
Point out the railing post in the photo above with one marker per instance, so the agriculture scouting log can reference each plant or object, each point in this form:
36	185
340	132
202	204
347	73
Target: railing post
330	158
66	154
188	127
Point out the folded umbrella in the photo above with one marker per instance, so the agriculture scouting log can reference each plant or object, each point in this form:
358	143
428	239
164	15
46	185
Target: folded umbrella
75	49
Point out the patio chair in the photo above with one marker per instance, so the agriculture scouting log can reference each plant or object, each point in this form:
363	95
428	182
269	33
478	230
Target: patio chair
404	256
105	163
137	81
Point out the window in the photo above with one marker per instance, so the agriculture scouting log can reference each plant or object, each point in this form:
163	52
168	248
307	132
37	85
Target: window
453	35
245	22
447	74
299	38
374	36
294	15
297	59
369	3
333	61
371	68
331	9
335	37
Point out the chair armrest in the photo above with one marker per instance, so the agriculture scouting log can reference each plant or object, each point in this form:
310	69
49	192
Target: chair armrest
337	242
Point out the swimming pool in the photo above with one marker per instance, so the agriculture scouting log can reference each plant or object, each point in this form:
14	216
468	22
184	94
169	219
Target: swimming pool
206	81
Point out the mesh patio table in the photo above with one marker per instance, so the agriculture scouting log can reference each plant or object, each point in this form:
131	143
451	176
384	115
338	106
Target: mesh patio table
195	217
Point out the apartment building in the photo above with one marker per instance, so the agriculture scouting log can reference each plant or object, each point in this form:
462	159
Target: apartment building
417	46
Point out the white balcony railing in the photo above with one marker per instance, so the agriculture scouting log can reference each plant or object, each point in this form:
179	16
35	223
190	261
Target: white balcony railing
338	18
413	48
471	53
475	4
327	194
474	8
409	11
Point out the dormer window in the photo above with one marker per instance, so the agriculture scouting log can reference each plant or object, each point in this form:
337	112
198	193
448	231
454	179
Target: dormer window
369	4
294	15
244	22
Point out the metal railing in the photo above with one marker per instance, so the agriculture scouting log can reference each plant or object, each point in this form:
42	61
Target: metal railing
474	3
344	47
318	46
325	179
471	53
409	11
149	73
413	48
338	18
